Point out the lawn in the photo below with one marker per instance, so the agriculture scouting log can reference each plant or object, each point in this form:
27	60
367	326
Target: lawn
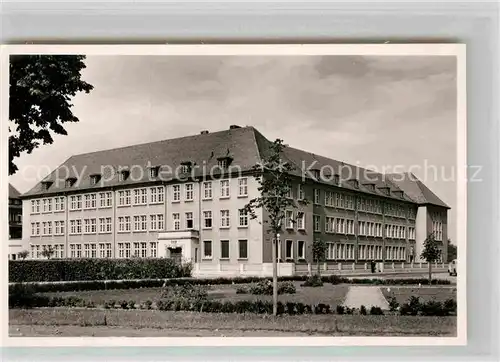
60	321
402	294
328	294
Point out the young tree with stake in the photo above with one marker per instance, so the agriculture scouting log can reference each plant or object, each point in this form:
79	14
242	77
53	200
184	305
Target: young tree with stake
273	176
431	253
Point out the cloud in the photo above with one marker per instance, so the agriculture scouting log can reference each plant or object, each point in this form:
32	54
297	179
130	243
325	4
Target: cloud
369	110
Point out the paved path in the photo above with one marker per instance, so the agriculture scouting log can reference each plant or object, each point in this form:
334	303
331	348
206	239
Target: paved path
365	295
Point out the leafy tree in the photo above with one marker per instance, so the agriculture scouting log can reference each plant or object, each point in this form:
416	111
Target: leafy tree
41	88
48	252
273	176
452	251
319	252
23	254
430	253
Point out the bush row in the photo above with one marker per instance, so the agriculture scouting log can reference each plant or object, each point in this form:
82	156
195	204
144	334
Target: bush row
265	287
94	269
194	298
156	283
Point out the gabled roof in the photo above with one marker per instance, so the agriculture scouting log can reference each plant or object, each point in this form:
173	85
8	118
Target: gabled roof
246	146
13	193
416	189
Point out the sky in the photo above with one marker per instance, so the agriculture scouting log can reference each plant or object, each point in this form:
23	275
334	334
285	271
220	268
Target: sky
389	113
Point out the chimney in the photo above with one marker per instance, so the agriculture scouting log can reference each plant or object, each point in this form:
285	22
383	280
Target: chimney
204	132
234	126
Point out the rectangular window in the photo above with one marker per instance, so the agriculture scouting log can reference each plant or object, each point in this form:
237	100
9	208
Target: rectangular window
127	223
301	221
207	249
121	224
33	229
243	187
33	208
153	249
37	206
102	250
49	227
207	217
137	197
189	220
301	249
93	225
72	251
207	190
127	250
49	205
289	221
189	192
144	196
44	205
161	194
300	192
224	219
86	222
243	218
330	251
288	193
317	195
128	197
289	249
73	203
144	250
121	198
137	223
224	188
317	223
93	250
176	218
154	222
224	249
243	249
144	223
121	250
176	197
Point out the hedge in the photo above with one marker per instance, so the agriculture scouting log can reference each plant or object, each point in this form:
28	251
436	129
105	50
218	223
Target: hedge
24	297
71	286
94	269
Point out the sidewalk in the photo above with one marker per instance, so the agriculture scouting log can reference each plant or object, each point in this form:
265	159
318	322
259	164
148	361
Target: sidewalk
367	296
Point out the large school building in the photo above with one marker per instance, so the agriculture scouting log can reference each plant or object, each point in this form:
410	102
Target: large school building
183	198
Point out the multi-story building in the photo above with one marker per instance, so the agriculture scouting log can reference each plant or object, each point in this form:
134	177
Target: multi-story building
15	223
183	198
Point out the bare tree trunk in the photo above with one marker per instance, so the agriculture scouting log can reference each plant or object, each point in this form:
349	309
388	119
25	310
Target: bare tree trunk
275	275
430	272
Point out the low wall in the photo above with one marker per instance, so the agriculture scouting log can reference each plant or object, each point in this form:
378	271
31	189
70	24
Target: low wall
289	269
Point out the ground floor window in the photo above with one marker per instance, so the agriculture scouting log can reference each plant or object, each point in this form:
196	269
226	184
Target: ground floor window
301	249
330	251
243	248
207	249
289	249
153	246
224	249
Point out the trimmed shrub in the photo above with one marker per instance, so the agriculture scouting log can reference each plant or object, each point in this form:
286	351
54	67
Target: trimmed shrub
313	281
94	269
340	309
412	307
241	290
362	310
393	304
24	296
376	311
286	288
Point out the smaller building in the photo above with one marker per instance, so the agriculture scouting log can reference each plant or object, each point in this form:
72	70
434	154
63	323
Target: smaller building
16	244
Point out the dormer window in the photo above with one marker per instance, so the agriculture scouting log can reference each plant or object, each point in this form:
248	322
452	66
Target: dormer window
224	162
316	174
336	179
399	194
354	183
186	166
386	190
46	185
153	171
94	179
370	186
70	181
123	175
